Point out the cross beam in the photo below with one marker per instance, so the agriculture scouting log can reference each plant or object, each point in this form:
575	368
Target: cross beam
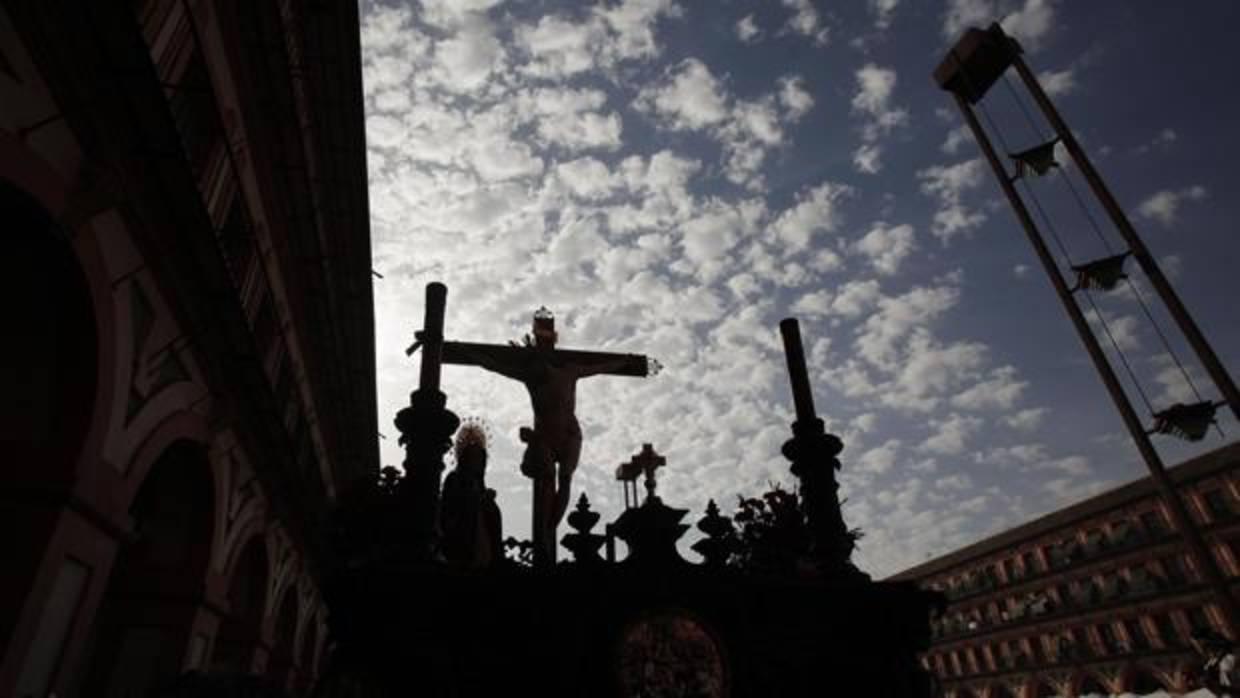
473	354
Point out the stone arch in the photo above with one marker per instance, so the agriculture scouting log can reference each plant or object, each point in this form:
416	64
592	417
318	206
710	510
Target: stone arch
284	635
1142	681
241	630
311	637
48	407
144	626
179	427
1090	684
51	401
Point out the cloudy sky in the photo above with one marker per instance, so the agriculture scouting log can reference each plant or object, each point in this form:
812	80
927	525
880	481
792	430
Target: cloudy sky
674	177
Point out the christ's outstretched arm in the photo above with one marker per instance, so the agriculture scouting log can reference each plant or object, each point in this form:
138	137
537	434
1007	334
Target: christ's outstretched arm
611	366
505	362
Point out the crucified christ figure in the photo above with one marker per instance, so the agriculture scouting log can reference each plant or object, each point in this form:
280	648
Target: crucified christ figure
553	446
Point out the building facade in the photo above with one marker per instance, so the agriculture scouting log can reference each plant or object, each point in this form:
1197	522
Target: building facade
1097	598
188	366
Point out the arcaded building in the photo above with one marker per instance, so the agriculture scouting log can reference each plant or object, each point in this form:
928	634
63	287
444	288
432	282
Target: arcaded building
1097	598
188	345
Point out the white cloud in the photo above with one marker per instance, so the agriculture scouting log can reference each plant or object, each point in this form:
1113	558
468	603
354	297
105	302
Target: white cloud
875	87
949	183
964	14
1164	206
713	231
879	460
587	178
930	370
1176	384
1074	466
855	297
867	158
747	29
886	246
1029	22
559	47
1009	456
570	118
882	11
606	37
1163	140
794	97
1122	329
447	13
631	24
956	138
805	21
951	435
813	303
999	391
465	60
815	211
1058	82
1027	419
689	97
897	316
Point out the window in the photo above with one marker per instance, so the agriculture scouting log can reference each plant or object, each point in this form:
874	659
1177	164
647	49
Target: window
1177	572
1065	594
194	111
1218	504
1110	641
1027	561
1136	635
1167	631
1153	523
1009	569
236	241
1094	541
1197	619
992	576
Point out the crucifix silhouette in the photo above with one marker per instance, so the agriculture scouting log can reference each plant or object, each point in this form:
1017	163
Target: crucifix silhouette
553	445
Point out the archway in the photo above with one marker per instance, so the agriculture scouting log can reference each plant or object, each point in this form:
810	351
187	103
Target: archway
49	356
241	630
1143	683
1090	686
282	649
309	651
48	367
143	628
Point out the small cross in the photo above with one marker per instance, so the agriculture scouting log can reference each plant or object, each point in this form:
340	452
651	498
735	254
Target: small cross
647	460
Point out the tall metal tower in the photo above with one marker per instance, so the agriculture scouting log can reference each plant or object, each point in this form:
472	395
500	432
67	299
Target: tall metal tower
979	60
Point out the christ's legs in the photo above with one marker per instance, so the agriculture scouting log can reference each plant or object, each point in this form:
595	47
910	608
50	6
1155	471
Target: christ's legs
568	454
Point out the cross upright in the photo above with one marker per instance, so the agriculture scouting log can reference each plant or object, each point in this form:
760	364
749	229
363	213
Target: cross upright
647	461
553	445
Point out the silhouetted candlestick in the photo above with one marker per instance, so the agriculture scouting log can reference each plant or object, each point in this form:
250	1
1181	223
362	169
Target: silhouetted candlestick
431	336
426	429
802	396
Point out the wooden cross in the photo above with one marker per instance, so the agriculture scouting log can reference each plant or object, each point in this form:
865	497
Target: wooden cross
647	461
550	375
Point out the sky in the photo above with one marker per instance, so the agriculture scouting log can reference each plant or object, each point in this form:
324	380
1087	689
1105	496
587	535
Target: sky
673	178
